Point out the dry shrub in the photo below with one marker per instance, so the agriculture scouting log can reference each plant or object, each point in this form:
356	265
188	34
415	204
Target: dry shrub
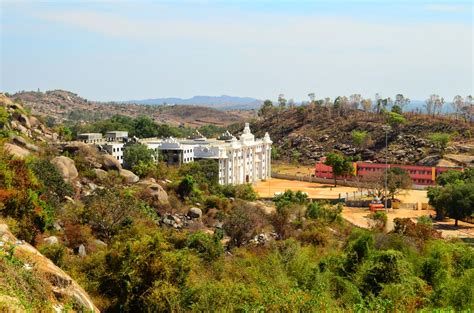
76	234
315	236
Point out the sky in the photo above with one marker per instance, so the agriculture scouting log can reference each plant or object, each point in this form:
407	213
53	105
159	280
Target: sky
121	50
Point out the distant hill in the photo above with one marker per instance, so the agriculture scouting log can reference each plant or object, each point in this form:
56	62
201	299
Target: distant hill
62	105
220	102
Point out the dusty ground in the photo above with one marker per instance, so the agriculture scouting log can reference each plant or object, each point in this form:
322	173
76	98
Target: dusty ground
325	191
290	169
358	216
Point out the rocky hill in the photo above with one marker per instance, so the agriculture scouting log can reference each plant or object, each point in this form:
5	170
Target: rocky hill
63	105
30	282
220	102
305	134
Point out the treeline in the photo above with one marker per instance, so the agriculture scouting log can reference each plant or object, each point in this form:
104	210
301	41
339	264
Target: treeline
141	127
434	105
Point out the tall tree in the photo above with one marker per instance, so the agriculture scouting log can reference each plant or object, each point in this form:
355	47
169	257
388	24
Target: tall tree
266	108
455	200
282	101
340	165
401	101
457	104
434	104
397	180
355	100
312	97
367	105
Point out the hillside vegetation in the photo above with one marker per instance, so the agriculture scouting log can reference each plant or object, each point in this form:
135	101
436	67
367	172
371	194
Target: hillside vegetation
304	134
169	239
60	105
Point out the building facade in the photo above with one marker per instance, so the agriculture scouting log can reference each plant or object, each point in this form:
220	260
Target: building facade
243	160
420	175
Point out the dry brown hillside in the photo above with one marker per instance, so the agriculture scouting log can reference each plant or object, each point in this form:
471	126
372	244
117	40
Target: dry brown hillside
305	134
64	105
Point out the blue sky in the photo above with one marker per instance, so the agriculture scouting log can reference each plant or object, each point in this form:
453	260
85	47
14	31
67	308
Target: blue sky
118	50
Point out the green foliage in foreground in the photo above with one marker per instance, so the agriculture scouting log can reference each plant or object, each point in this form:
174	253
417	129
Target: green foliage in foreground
311	262
169	271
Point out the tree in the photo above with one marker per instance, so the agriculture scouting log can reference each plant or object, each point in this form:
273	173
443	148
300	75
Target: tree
455	200
397	180
186	186
367	105
242	223
434	104
135	153
281	101
266	108
340	165
107	210
440	140
360	138
397	109
355	100
401	101
457	104
449	177
312	97
395	119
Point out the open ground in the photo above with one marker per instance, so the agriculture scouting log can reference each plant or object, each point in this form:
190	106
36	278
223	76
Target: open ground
359	216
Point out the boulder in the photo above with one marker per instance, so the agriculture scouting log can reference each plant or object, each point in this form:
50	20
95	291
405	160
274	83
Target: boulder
24	120
15	150
52	240
431	160
66	167
100	243
152	190
101	174
128	176
195	213
32	147
17	126
82	250
109	162
34	122
19	140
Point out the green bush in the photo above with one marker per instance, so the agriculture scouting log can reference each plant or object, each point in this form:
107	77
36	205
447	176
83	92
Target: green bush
54	252
208	247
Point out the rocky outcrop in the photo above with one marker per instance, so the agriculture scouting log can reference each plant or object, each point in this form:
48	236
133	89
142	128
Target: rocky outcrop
15	151
101	174
151	190
109	162
195	213
66	167
51	240
128	176
58	286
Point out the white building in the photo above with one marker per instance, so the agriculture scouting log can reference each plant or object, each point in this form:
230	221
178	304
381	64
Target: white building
115	149
116	136
243	160
90	137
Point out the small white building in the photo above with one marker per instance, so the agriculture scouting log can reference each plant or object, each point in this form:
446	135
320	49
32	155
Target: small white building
90	137
116	136
115	149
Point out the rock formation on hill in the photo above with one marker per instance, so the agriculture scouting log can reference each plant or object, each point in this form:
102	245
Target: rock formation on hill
305	134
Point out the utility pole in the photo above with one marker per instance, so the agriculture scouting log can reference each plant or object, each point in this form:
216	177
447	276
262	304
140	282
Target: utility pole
386	128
